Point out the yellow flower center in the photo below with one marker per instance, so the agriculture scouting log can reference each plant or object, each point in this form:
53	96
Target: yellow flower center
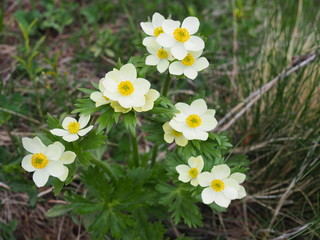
106	98
217	185
188	60
193	172
161	53
126	88
193	121
157	31
73	127
39	160
181	34
176	133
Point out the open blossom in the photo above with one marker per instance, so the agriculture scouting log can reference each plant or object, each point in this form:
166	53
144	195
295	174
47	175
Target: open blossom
46	161
151	96
98	96
190	172
180	38
190	65
171	135
72	128
221	188
153	28
159	57
124	87
195	120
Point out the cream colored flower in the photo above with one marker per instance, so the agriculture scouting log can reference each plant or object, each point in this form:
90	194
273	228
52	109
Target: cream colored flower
118	108
180	39
171	135
159	57
151	96
72	128
195	120
98	96
190	65
190	173
221	188
124	87
46	161
153	29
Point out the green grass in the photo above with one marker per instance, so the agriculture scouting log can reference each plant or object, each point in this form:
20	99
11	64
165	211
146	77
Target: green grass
248	43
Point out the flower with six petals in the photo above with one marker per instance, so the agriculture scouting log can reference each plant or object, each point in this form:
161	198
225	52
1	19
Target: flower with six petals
190	172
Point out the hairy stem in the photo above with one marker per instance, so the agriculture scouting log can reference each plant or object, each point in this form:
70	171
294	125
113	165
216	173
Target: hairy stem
166	85
135	150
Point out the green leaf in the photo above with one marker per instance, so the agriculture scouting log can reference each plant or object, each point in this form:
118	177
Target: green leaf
85	158
53	122
130	121
92	140
58	210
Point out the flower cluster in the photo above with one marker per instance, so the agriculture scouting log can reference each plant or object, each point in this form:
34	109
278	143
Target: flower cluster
124	91
173	45
220	186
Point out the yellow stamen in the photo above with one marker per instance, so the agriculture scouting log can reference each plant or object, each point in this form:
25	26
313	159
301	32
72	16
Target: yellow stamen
39	160
181	34
193	121
176	133
157	31
73	127
188	60
193	172
217	185
126	88
161	53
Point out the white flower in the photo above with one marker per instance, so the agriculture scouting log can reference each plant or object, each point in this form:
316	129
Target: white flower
190	65
73	128
159	57
194	121
180	39
171	135
98	96
239	177
124	87
45	161
220	187
151	96
153	28
191	172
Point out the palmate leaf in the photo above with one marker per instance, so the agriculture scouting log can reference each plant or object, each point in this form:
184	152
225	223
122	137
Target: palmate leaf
107	118
93	140
180	203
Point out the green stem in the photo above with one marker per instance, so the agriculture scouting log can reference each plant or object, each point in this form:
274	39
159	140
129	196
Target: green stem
135	150
106	169
166	85
154	154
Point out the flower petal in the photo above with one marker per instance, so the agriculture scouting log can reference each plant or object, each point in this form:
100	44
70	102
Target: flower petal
184	178
192	24
166	40
53	152
33	145
83	120
200	64
239	177
183	108
208	122
194	44
168	137
166	127
68	157
178	126
221	200
181	141
128	72
194	182
163	65
71	137
190	72
152	60
182	169
147	27
196	162
205	179
148	41
194	133
27	165
241	192
179	51
40	177
84	131
198	107
176	68
141	85
59	132
221	171
157	20
207	195
169	26
64	174
55	168
66	122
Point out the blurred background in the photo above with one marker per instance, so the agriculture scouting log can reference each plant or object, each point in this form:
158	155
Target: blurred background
263	82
